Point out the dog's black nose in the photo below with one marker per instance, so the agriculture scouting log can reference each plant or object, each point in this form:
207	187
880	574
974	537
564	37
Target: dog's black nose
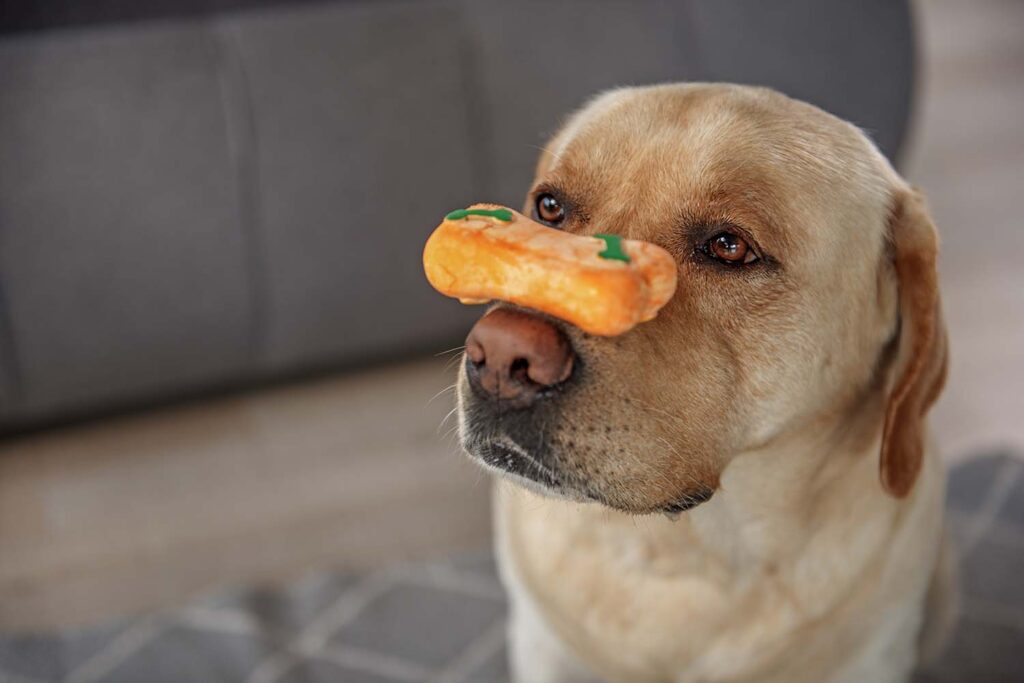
513	356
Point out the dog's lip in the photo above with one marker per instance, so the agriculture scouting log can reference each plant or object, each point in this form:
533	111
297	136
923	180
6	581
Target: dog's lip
505	455
688	502
509	459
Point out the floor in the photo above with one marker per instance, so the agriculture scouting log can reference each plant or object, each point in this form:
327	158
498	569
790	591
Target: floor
353	472
443	621
145	510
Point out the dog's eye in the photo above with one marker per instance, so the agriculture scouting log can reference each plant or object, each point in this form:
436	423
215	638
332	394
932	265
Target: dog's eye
730	249
549	209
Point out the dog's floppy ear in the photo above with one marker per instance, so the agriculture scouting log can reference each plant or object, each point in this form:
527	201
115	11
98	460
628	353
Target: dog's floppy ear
920	362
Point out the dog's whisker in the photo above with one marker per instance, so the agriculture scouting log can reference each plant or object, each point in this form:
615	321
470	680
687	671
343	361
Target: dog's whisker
446	418
443	391
450	433
452	350
452	362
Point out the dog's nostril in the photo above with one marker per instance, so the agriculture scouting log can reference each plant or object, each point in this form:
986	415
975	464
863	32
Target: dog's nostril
520	370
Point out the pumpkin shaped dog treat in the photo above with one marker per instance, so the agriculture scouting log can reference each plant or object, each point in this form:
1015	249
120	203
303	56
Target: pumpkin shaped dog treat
603	284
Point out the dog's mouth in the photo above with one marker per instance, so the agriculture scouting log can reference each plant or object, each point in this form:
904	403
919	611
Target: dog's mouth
530	466
688	502
505	455
528	446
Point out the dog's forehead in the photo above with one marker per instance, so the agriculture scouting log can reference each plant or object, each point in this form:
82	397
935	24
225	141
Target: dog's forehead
629	131
637	156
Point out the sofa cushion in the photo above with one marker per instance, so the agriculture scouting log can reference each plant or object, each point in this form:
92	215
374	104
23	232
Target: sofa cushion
122	258
362	141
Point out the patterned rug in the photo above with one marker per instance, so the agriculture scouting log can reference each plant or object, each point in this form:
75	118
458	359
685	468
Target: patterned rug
443	622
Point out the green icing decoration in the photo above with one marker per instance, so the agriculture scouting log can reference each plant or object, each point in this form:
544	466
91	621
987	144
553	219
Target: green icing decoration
500	214
612	248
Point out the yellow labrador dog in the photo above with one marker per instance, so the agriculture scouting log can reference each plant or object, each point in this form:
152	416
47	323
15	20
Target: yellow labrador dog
774	410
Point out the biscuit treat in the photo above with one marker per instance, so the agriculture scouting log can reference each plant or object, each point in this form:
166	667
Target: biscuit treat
603	284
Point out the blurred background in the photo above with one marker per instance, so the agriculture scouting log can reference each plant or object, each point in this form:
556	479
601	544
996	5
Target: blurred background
224	452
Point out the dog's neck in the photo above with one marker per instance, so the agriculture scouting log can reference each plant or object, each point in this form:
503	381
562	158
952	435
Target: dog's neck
777	504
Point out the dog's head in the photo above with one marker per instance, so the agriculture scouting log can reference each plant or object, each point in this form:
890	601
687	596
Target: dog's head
807	286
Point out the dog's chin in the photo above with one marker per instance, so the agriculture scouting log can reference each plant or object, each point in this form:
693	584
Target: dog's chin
506	458
515	452
537	487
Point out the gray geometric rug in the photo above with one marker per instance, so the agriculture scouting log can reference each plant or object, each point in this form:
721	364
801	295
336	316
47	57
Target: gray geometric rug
443	622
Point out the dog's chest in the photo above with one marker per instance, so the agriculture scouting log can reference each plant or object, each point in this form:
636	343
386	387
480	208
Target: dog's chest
639	598
648	601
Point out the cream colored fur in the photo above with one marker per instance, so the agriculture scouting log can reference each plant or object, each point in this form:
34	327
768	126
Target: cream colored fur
769	581
778	392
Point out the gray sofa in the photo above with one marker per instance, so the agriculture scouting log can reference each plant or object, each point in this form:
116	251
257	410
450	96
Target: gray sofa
210	195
